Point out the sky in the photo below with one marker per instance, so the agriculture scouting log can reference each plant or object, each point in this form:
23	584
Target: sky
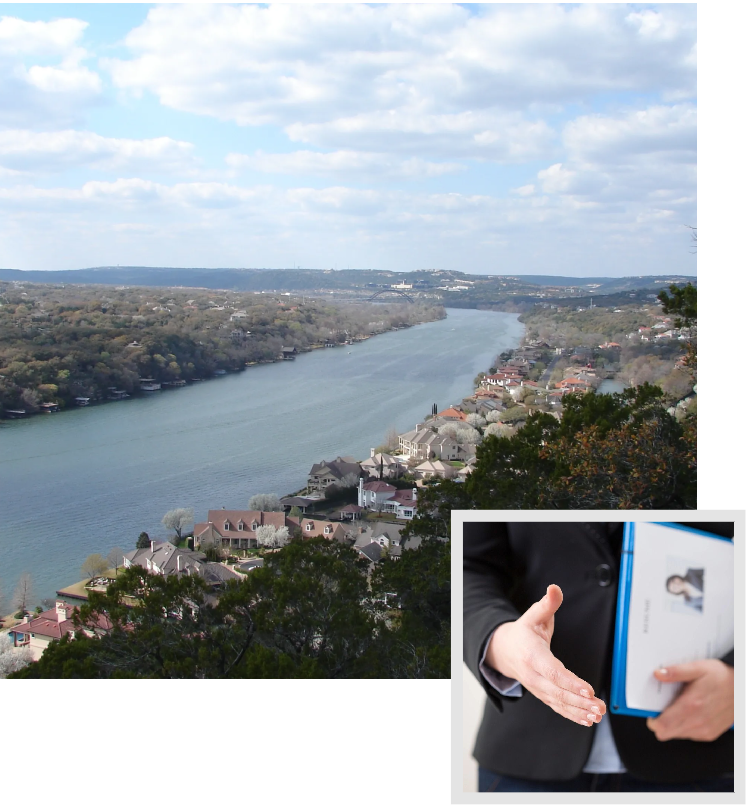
509	139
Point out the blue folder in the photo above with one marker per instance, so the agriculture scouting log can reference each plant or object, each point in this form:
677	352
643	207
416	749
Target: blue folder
618	702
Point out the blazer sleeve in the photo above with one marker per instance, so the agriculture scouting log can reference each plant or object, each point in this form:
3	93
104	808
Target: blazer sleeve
487	581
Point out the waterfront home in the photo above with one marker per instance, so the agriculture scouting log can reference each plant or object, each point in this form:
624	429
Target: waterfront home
452	414
327	473
382	465
38	631
235	529
166	559
423	444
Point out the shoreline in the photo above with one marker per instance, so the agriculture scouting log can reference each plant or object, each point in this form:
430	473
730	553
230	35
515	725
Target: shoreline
394	414
138	394
520	343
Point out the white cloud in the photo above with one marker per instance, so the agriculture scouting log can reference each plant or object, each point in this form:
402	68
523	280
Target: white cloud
638	158
42	152
44	93
344	164
669	131
502	137
24	38
404	77
210	223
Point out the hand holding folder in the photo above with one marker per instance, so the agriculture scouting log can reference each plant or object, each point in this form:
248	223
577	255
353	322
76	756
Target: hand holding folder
675	611
704	708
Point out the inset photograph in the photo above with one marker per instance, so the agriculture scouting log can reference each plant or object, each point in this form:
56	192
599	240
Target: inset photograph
598	656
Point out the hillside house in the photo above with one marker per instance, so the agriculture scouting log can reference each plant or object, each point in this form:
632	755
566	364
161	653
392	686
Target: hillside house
39	631
235	530
423	444
327	473
382	465
165	559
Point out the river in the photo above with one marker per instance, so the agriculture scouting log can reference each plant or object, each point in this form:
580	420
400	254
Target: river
86	480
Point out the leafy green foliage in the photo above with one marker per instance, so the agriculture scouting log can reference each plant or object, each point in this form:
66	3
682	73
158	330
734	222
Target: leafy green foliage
608	451
58	343
308	613
682	302
416	639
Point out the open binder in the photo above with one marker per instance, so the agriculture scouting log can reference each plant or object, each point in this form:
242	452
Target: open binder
675	605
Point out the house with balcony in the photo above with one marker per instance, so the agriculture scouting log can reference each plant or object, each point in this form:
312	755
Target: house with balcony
235	529
165	559
423	444
381	465
327	473
387	499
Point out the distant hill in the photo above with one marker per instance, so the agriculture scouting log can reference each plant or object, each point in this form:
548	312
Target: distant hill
308	280
606	285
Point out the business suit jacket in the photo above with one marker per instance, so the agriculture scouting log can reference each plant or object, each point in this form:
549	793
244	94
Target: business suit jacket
507	567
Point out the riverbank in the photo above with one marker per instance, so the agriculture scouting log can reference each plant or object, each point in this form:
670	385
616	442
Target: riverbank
62	347
290	355
75	486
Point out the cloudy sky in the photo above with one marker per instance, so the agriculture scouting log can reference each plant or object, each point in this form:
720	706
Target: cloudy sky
557	139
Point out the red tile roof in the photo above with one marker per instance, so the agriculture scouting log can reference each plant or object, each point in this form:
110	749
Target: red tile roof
451	412
48	625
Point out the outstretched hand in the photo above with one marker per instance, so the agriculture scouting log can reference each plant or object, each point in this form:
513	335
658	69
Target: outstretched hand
704	708
521	650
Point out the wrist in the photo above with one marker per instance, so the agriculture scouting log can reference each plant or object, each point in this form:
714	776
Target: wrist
496	656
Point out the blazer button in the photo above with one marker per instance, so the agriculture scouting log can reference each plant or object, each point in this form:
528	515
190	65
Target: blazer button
605	575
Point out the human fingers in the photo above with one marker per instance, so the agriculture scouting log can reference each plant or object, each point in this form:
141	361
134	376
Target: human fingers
682	672
557	677
669	724
587	713
542	612
702	711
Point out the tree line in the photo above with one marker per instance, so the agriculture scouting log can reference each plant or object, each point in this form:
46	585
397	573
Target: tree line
58	343
310	612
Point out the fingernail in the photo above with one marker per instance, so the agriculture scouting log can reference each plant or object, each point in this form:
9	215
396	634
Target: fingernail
584	692
591	718
583	722
595	710
663	672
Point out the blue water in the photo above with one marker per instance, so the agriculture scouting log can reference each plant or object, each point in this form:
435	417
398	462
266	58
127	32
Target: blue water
86	480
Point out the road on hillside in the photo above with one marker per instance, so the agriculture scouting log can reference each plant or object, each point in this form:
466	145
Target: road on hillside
543	380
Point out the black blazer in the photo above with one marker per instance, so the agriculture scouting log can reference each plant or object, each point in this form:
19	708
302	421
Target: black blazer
506	568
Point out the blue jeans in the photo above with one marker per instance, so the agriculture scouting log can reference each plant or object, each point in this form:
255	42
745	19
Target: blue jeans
589	782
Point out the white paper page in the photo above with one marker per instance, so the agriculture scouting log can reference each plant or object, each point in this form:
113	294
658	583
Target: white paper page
667	627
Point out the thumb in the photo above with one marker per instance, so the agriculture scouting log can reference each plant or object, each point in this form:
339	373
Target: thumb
543	611
681	673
